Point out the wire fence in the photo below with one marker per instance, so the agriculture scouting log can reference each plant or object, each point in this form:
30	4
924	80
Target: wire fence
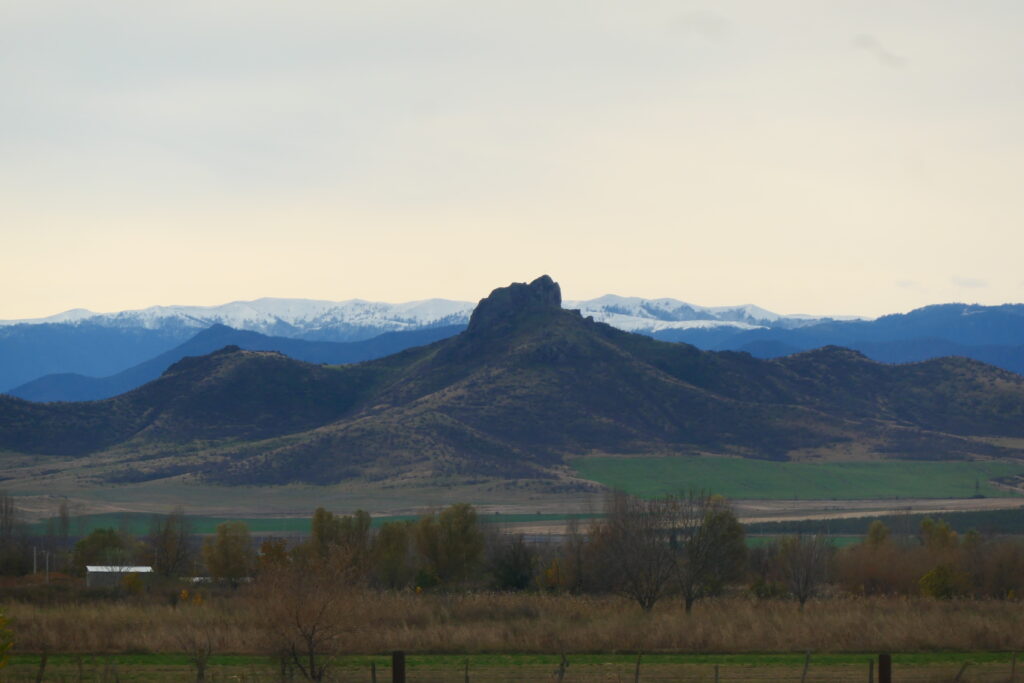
620	671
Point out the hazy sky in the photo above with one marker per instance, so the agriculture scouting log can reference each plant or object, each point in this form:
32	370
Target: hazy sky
844	157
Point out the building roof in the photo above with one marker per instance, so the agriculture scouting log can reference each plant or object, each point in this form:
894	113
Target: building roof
118	569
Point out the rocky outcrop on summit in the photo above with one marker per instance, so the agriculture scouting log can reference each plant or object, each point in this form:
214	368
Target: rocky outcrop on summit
505	305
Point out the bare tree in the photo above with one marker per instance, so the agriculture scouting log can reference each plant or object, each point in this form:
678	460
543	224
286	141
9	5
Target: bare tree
633	543
709	544
308	606
195	637
13	543
8	516
171	543
803	561
574	556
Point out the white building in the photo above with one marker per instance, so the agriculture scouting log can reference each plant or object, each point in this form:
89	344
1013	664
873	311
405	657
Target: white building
109	576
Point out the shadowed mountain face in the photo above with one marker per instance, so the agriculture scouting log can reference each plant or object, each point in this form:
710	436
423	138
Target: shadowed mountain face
991	334
75	387
525	385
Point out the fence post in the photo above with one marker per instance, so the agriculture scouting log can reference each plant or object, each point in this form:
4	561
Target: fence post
871	671
562	666
1013	669
373	672
885	668
807	665
397	667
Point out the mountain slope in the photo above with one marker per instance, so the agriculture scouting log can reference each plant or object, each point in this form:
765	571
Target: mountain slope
525	385
75	387
28	352
991	334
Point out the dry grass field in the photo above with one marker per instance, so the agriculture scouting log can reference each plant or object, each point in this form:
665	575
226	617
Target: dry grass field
539	624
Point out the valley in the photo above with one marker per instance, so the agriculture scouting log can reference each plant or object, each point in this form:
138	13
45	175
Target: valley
531	408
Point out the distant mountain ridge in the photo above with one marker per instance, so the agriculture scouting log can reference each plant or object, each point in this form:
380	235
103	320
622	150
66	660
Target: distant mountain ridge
39	359
100	345
309	319
354	319
991	334
75	387
524	386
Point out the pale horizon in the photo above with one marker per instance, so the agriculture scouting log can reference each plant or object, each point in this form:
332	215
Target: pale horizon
833	159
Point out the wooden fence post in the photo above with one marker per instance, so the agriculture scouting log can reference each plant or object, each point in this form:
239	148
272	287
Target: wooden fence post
807	665
373	672
1013	669
397	667
885	668
562	666
871	671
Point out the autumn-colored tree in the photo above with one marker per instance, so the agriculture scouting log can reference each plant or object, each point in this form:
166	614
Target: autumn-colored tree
325	531
103	547
937	535
273	553
229	555
944	582
878	534
392	563
351	533
450	542
999	569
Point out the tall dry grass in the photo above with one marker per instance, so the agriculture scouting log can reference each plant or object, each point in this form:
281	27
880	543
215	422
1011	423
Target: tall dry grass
507	623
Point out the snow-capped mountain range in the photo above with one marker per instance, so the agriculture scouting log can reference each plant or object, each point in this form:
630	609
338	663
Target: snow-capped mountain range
358	319
635	314
305	318
81	355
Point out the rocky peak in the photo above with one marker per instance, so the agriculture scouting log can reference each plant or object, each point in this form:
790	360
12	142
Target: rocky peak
518	298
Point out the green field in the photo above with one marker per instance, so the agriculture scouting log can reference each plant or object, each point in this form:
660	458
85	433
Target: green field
760	479
138	523
836	541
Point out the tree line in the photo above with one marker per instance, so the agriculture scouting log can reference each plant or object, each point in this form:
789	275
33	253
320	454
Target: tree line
688	547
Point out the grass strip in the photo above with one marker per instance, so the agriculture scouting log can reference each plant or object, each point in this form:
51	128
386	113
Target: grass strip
485	660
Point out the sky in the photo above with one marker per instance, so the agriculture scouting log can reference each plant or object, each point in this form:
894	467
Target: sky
850	157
